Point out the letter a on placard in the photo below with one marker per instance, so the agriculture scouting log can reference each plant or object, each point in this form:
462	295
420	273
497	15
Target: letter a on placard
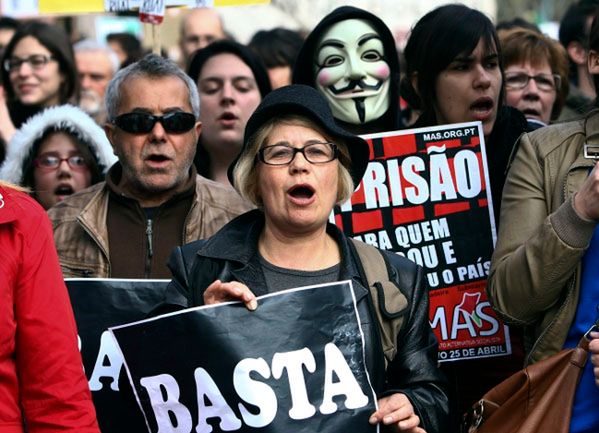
163	406
219	408
347	385
109	352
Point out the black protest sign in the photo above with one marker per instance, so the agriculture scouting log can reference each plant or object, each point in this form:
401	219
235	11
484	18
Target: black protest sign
296	364
99	304
426	195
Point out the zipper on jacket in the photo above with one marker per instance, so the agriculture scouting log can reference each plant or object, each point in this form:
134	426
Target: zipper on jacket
149	234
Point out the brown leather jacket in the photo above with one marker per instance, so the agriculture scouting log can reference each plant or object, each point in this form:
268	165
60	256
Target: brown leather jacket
535	271
81	235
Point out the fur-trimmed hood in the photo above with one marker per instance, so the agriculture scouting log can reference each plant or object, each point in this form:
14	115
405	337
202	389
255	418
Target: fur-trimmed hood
67	118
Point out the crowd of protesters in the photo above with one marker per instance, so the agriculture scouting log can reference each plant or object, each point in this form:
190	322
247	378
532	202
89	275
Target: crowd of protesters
134	156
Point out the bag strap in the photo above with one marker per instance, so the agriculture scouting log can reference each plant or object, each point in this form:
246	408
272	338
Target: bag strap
484	408
390	304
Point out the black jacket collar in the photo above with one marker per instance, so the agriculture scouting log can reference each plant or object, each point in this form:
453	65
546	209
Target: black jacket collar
237	241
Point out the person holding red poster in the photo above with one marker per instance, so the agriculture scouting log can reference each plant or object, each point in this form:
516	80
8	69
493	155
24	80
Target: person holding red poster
42	385
454	74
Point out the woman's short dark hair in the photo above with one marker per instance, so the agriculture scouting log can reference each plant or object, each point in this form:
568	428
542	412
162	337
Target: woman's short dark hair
130	44
277	47
247	56
435	41
55	40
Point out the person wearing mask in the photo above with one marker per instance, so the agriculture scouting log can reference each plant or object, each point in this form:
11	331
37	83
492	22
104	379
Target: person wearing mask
56	153
351	58
536	75
231	81
295	166
42	383
38	71
454	75
152	199
544	271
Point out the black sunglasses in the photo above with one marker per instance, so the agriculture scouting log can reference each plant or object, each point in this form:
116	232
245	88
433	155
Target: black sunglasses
176	122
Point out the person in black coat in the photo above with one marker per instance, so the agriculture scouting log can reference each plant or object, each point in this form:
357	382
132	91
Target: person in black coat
296	164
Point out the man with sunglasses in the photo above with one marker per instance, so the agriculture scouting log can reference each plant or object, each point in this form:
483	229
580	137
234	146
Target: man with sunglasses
152	199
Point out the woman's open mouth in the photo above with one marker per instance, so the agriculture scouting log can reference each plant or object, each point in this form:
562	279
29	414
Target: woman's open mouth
63	191
301	194
482	108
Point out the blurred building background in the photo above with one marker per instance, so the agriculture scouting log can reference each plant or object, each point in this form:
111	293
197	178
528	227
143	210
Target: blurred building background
243	21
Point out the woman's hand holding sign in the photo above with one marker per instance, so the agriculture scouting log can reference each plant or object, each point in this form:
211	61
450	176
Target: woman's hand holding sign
218	292
396	411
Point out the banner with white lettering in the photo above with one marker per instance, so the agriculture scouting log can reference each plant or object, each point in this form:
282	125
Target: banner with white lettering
425	195
97	305
296	364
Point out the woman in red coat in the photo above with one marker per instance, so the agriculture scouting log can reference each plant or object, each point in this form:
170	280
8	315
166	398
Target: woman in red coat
42	383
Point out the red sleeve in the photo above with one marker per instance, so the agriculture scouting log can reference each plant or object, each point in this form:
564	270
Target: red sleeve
54	391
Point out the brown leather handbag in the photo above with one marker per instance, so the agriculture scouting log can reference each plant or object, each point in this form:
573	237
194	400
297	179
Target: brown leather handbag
537	399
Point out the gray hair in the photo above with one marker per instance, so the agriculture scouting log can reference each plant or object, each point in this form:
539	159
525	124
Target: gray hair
89	45
150	66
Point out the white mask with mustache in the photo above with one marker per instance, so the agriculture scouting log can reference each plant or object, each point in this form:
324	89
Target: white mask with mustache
351	71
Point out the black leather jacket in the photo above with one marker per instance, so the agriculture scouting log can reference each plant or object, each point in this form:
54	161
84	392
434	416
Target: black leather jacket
231	255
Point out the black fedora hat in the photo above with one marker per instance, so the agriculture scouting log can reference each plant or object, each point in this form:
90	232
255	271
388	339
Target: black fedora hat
306	101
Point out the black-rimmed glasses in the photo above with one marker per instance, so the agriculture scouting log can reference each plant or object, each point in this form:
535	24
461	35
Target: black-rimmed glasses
36	61
282	154
176	122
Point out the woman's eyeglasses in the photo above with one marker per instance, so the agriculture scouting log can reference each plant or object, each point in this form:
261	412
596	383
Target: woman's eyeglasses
545	82
51	162
36	61
282	154
176	122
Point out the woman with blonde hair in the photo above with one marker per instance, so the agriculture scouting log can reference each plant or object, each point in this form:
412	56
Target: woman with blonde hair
295	165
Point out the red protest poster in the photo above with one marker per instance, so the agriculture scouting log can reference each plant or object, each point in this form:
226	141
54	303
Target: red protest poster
425	196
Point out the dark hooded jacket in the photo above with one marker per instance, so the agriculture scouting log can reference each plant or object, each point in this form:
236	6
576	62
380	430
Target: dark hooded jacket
303	72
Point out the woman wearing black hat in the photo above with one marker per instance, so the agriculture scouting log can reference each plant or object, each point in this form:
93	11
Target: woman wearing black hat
231	81
295	166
